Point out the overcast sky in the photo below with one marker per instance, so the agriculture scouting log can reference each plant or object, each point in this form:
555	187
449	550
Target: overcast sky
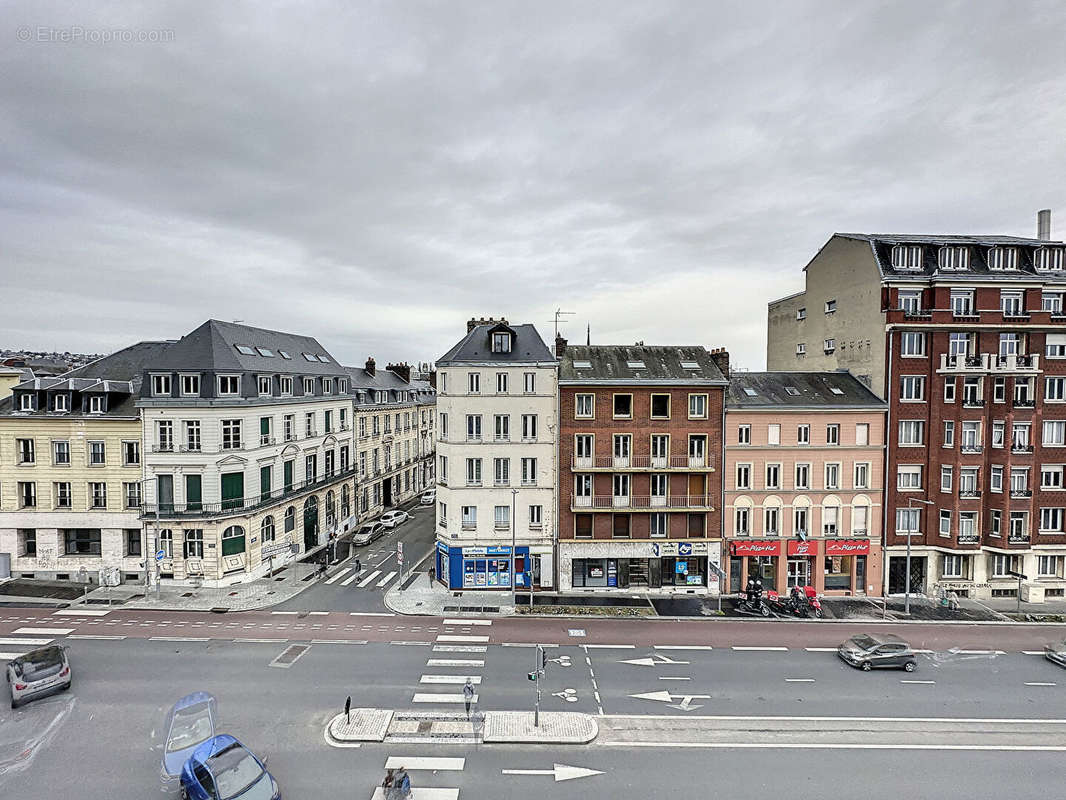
373	174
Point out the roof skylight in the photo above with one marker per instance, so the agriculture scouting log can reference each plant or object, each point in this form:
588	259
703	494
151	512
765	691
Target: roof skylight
750	392
792	390
265	353
245	349
582	365
635	364
690	365
283	354
310	356
323	359
836	390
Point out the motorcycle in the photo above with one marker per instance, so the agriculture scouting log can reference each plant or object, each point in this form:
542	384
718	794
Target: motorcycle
798	604
752	604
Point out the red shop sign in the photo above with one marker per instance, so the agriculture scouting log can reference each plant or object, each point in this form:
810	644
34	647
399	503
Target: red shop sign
847	547
802	548
772	548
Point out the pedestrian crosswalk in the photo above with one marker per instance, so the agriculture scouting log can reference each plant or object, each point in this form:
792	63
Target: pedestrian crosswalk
422	770
466	669
14	646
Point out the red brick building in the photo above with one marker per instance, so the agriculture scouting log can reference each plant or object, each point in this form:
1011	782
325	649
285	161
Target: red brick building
640	467
965	337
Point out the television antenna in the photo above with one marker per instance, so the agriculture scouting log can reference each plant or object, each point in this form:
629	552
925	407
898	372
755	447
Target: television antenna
560	313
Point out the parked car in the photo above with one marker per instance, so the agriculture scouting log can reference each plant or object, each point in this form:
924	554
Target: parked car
37	673
223	768
392	519
429	497
1056	651
881	650
368	533
190	722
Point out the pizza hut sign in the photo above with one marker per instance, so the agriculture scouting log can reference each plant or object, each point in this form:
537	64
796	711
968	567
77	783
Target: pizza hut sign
757	548
802	548
847	547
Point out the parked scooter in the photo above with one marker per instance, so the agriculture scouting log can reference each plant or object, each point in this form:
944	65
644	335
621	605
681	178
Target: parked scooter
799	603
752	603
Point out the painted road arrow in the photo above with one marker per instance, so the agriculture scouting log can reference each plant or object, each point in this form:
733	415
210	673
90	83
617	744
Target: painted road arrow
562	772
651	661
665	697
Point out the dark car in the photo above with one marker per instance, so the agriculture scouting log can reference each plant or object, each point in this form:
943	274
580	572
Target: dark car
222	768
878	651
38	673
1056	651
189	723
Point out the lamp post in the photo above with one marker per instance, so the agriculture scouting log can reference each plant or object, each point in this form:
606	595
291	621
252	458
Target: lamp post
907	578
514	525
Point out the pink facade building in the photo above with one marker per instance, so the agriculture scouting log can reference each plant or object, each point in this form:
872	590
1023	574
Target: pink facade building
804	482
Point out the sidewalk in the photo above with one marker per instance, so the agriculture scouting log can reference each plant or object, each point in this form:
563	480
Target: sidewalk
426	597
488	727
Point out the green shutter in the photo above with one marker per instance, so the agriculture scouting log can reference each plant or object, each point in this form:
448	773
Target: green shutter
193	493
232	490
264	426
264	481
288	475
233	545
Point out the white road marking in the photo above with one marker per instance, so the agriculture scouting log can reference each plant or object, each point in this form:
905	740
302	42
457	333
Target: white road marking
820	649
352	579
681	647
1039	683
286	613
765	649
924	683
668	678
418	793
371	614
459	648
179	639
454	679
45	631
27	642
11	656
526	644
368	578
455	662
850	746
338	576
561	772
386	579
425	762
262	641
312	613
468	622
82	612
799	680
90	636
448	637
611	646
440	698
1033	652
337	641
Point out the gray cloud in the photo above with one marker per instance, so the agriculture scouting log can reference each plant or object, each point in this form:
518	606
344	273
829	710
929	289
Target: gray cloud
376	173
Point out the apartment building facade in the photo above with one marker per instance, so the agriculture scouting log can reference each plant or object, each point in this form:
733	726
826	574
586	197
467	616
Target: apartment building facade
640	457
70	472
497	424
804	482
964	336
249	452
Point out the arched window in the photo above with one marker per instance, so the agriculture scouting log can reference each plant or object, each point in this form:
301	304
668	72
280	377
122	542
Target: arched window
290	519
166	542
267	529
233	540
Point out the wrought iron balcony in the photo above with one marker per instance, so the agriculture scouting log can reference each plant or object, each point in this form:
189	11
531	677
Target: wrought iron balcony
1021	448
969	538
1023	402
1018	538
972	448
638	463
1021	492
701	502
969	493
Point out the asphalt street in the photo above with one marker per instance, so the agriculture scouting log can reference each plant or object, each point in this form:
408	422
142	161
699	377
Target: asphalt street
104	735
344	589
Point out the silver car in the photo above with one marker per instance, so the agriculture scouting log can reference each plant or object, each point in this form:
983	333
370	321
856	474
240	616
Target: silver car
38	673
1056	652
368	533
877	651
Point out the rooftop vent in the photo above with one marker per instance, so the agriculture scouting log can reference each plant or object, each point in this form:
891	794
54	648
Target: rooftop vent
1043	224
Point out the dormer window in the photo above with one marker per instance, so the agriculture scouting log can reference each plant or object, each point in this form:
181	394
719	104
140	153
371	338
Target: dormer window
285	383
1003	258
190	385
954	258
161	386
907	256
501	343
1048	259
59	403
229	385
96	404
327	386
265	386
342	387
309	385
26	401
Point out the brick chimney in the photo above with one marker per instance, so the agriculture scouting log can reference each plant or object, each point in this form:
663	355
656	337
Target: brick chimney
473	323
560	345
720	357
401	370
371	367
433	379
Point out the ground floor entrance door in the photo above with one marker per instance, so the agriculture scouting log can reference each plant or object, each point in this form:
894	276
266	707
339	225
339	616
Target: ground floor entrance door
897	574
386	492
799	572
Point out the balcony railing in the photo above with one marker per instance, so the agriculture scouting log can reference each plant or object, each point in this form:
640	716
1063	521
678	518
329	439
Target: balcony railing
190	448
644	502
969	493
972	448
989	362
973	402
639	462
240	505
1023	402
1021	492
1021	448
163	448
969	538
1017	538
1017	363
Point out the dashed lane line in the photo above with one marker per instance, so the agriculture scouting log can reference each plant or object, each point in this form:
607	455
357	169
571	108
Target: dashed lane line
820	649
1039	683
284	613
682	647
179	639
611	646
673	678
799	680
760	649
102	637
922	683
455	637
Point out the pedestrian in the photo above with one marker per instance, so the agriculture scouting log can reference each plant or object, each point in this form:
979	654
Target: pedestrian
402	784
358	566
468	695
388	785
953	600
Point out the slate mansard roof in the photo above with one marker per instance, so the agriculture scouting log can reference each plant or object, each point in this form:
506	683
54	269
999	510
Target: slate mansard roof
881	245
116	376
686	365
828	390
476	347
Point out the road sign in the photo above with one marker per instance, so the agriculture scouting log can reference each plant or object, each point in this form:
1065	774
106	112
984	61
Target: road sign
1018	575
561	772
399	553
160	555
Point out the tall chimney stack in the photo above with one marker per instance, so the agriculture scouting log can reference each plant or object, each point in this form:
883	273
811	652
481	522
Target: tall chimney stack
1043	224
371	367
560	345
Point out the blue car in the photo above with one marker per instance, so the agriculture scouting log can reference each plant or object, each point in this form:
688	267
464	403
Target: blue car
222	768
189	723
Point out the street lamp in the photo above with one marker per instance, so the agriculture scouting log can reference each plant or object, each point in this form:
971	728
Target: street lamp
907	579
514	525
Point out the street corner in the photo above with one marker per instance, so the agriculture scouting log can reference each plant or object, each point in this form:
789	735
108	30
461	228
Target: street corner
349	729
552	727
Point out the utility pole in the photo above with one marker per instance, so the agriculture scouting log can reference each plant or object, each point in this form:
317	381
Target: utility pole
542	662
514	525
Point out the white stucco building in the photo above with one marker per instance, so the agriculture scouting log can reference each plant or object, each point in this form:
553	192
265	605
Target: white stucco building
497	427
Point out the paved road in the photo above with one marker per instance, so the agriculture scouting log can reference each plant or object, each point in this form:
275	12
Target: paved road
344	589
105	739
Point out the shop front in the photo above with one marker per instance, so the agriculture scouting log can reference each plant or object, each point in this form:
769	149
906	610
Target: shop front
755	558
481	567
831	566
639	566
845	566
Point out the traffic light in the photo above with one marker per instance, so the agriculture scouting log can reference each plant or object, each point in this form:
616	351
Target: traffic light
532	675
543	658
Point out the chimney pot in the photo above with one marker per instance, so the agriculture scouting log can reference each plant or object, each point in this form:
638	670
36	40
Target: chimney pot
1043	224
371	367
